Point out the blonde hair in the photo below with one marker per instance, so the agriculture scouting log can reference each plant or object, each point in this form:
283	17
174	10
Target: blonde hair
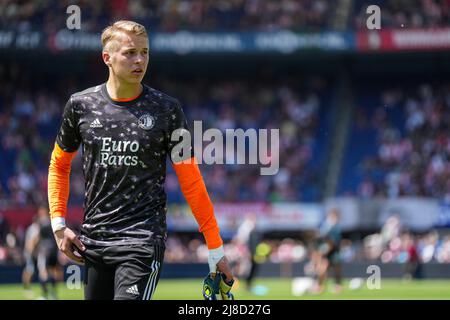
111	32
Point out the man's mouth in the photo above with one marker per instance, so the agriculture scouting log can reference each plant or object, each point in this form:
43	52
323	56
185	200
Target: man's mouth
137	71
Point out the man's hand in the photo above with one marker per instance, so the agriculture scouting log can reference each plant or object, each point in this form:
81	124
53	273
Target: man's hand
218	262
227	279
224	267
215	286
68	243
220	279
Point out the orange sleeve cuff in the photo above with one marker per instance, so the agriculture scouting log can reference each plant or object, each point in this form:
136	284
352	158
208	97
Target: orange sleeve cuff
59	181
194	190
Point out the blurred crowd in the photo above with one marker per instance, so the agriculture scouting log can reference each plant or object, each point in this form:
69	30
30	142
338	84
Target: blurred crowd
172	15
411	124
413	144
393	244
30	115
396	244
180	248
290	104
218	15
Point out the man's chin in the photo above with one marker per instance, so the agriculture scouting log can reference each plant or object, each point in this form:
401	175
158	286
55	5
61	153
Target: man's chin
135	80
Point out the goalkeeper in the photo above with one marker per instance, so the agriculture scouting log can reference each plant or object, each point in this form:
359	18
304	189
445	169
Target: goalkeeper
126	132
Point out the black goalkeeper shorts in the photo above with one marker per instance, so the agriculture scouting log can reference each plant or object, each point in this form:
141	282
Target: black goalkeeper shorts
125	272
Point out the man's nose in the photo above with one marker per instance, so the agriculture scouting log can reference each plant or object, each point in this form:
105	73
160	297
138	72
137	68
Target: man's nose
138	59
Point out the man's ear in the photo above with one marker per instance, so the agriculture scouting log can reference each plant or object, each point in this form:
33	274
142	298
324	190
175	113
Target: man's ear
106	58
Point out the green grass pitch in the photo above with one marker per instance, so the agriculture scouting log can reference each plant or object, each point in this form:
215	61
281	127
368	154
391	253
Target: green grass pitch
276	289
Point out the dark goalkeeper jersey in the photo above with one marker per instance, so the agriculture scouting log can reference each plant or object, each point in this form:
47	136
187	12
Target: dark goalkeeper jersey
125	146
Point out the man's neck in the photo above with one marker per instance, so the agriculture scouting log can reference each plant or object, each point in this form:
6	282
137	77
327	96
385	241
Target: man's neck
117	90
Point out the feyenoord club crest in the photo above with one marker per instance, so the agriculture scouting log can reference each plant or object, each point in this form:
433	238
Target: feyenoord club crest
146	121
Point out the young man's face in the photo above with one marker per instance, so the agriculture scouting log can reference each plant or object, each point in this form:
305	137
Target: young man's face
128	57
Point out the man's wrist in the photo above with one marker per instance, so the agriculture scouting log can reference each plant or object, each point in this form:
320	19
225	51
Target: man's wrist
215	255
58	223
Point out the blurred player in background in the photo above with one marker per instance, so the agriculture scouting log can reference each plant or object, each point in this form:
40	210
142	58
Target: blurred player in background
126	132
249	235
49	269
30	254
327	255
413	265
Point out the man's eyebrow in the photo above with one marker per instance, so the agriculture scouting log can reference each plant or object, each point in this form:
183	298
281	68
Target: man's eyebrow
134	48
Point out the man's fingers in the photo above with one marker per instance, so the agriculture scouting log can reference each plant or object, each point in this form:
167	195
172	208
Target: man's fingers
70	254
67	247
223	267
64	245
78	244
